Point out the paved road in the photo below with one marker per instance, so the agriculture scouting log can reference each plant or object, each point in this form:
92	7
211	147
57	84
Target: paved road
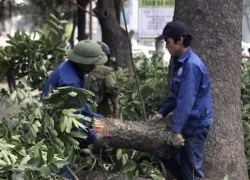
4	85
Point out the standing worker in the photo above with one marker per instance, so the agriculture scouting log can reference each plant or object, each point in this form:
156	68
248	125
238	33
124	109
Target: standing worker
102	81
191	101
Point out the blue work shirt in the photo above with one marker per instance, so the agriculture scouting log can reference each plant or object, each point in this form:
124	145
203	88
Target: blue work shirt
66	74
190	96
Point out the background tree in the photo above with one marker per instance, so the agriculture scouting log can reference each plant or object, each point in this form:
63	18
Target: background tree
113	34
216	27
81	17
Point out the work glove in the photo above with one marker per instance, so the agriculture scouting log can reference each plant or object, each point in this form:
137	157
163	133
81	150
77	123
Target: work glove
85	152
176	140
156	117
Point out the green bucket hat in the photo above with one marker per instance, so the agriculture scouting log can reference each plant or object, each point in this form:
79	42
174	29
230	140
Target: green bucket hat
87	52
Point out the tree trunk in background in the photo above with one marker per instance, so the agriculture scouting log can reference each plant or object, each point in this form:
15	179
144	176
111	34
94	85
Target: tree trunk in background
2	16
113	34
72	40
82	20
117	5
216	28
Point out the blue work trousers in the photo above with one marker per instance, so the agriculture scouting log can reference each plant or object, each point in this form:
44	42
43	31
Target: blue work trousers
187	163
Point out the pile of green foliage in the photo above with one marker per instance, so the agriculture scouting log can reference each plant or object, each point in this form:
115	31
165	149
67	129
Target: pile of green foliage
37	139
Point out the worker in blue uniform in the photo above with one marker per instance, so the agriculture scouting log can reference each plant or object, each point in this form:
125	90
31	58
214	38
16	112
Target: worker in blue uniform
81	60
189	102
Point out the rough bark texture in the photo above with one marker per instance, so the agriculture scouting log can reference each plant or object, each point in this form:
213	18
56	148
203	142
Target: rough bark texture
139	135
216	28
81	16
117	5
115	36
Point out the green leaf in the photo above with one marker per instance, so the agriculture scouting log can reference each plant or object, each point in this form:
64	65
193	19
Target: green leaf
35	149
18	175
53	167
119	154
50	154
78	134
34	162
156	177
130	166
134	95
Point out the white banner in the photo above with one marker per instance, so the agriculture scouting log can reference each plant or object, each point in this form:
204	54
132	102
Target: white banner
153	16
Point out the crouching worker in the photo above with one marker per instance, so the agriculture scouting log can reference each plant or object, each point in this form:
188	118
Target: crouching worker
82	59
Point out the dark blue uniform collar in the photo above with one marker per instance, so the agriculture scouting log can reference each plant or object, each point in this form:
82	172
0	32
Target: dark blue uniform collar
185	55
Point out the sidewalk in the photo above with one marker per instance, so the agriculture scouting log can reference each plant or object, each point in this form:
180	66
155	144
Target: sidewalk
4	85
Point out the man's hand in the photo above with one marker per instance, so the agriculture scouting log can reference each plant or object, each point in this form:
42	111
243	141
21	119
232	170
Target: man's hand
176	140
156	117
114	114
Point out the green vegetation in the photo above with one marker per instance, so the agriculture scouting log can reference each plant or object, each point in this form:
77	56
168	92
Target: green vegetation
152	78
245	96
34	56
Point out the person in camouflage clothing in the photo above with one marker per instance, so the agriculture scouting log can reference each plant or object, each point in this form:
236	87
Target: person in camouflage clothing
102	81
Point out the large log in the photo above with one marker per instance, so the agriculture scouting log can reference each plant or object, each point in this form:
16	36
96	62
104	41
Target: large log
138	135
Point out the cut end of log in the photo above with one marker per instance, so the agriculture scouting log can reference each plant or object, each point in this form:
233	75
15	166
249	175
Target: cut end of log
100	128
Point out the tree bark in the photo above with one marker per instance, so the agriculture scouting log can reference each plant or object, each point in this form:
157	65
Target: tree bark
138	135
216	28
117	6
113	35
81	23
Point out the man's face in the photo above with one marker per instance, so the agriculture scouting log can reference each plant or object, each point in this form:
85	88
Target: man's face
85	68
175	49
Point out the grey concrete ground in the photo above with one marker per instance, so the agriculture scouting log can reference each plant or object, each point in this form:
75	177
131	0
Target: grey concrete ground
4	85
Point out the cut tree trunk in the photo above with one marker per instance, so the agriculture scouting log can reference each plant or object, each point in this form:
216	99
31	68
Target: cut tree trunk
113	35
216	28
138	135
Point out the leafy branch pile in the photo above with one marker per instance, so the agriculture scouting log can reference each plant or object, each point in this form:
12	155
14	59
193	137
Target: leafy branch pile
37	139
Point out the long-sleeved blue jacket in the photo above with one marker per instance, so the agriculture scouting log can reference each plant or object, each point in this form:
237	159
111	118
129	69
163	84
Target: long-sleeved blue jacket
190	96
66	74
